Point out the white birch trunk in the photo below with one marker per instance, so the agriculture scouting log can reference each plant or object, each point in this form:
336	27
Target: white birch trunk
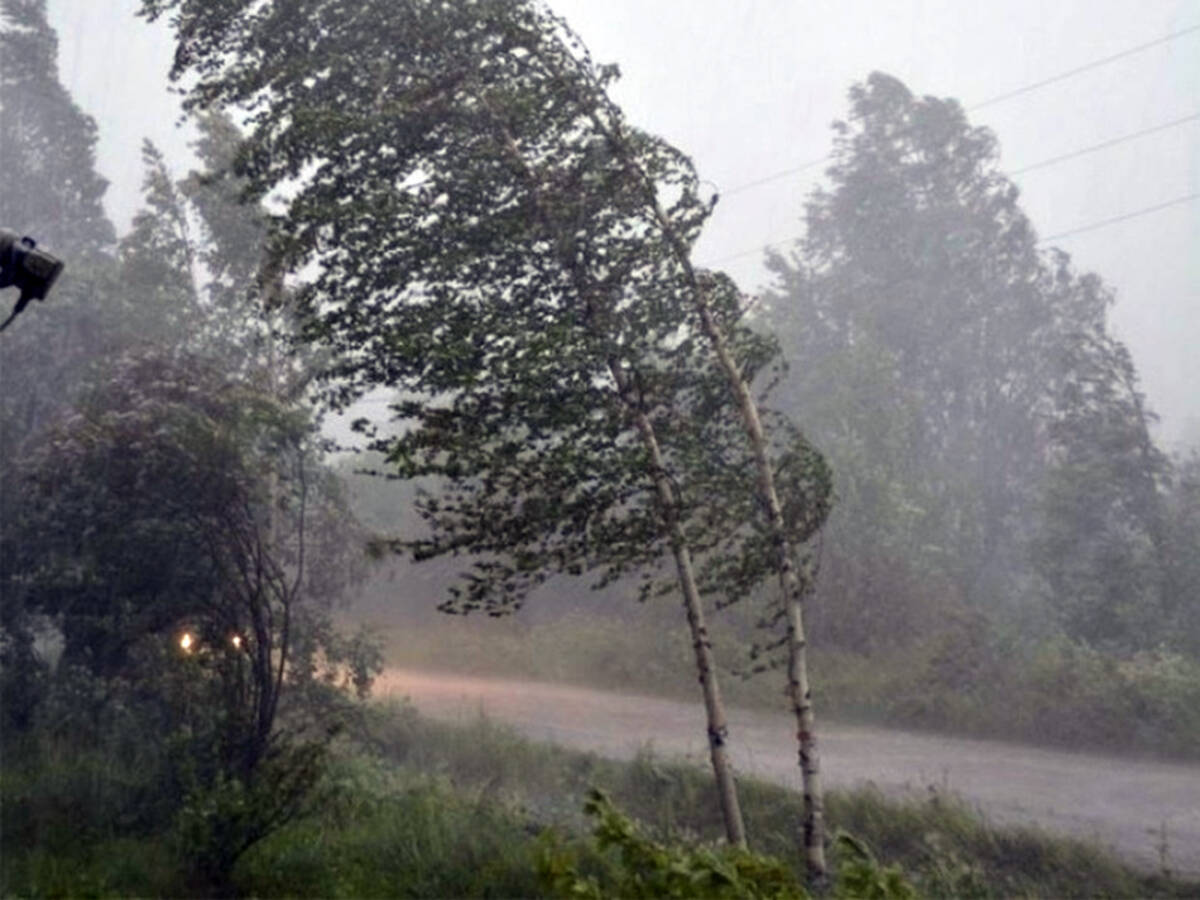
793	585
717	725
718	729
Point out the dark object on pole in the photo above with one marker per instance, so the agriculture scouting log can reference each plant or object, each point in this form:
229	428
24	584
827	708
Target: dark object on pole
24	266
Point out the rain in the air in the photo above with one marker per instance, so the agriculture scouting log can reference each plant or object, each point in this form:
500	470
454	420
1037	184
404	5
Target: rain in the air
553	448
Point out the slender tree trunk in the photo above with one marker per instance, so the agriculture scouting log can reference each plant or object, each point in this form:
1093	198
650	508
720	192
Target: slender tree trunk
794	584
668	506
718	729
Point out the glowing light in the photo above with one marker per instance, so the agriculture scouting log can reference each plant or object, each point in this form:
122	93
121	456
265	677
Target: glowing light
186	641
236	640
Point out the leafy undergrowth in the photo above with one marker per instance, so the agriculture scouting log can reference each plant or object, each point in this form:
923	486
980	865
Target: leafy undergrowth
1052	692
412	807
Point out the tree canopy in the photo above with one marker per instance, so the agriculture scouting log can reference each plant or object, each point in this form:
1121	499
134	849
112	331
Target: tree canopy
990	438
53	193
171	543
482	241
481	229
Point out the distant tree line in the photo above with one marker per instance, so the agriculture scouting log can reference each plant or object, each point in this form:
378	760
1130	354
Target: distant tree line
993	449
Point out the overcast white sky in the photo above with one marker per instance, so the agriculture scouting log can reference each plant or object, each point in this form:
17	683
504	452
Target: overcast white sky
750	88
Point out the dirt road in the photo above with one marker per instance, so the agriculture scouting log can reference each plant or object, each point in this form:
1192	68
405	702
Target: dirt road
1119	802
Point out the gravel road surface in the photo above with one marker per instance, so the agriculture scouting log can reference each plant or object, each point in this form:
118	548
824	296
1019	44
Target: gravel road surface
1123	803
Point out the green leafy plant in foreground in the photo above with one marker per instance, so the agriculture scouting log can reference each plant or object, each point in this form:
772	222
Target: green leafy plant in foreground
644	868
860	876
218	822
635	866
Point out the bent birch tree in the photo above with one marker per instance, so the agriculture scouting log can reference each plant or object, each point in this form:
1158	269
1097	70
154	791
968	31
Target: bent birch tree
489	236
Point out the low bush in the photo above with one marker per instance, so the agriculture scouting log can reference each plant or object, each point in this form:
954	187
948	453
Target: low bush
1055	692
640	868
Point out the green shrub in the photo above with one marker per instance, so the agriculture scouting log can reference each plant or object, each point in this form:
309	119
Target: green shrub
861	877
222	818
623	861
643	869
124	867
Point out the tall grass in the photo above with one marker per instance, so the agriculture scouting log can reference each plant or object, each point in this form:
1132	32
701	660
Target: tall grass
82	820
384	834
947	848
412	807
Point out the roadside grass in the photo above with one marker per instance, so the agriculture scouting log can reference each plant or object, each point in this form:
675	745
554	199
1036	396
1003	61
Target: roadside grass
945	847
122	867
384	833
416	807
1052	692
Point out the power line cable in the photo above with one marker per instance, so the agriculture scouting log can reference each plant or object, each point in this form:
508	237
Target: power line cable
1086	67
767	179
1103	145
1029	88
1174	123
761	248
1091	226
1045	163
1121	218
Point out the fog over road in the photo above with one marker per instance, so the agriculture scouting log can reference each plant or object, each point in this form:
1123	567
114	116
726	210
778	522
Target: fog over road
1119	802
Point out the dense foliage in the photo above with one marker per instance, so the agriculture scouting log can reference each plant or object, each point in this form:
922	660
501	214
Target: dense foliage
431	809
645	868
499	262
53	193
440	199
172	547
473	223
992	445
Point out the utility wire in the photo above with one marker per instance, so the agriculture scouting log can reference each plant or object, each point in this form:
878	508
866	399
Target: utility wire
1187	198
1174	123
1091	226
767	179
1029	88
1086	67
1106	144
761	248
1045	163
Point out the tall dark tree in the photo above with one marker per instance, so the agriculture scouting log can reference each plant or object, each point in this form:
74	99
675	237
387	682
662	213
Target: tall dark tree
51	188
1182	540
248	322
919	272
53	193
160	302
165	510
963	382
182	535
194	269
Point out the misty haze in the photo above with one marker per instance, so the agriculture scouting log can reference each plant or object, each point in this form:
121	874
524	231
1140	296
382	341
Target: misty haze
573	449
